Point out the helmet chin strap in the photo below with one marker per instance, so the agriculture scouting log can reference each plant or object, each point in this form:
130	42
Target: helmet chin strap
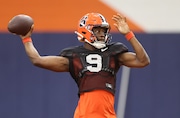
97	44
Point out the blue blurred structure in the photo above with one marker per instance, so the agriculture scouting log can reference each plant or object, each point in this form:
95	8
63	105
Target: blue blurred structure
30	92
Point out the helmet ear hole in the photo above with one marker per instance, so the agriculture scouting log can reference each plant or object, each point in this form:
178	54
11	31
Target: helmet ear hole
83	32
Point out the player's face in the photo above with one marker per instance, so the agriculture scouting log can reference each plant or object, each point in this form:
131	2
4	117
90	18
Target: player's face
100	33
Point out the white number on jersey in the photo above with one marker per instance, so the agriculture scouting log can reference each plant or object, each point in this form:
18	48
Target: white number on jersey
96	62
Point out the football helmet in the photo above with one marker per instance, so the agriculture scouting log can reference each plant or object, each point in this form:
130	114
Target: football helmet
85	29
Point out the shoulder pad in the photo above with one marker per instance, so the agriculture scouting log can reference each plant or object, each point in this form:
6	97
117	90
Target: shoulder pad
67	52
118	47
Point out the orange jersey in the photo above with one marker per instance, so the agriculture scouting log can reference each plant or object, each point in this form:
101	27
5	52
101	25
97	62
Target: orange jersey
95	104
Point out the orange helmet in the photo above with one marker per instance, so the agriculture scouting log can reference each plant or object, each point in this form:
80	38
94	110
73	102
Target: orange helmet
85	26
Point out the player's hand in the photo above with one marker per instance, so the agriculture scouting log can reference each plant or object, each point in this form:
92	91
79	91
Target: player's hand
121	24
28	34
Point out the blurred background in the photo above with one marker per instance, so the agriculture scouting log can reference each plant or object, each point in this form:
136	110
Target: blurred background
30	92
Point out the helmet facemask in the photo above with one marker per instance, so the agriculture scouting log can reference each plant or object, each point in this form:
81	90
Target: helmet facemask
85	30
97	33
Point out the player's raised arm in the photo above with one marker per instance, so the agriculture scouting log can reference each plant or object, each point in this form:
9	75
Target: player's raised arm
22	23
138	59
54	63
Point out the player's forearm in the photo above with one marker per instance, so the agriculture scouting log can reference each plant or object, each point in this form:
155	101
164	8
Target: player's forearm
32	52
141	53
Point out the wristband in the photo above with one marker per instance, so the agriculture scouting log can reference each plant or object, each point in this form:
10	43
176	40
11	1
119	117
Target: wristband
28	39
129	35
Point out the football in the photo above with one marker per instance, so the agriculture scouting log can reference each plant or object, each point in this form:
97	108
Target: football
20	24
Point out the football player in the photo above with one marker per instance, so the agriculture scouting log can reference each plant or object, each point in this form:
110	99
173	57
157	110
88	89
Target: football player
94	64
